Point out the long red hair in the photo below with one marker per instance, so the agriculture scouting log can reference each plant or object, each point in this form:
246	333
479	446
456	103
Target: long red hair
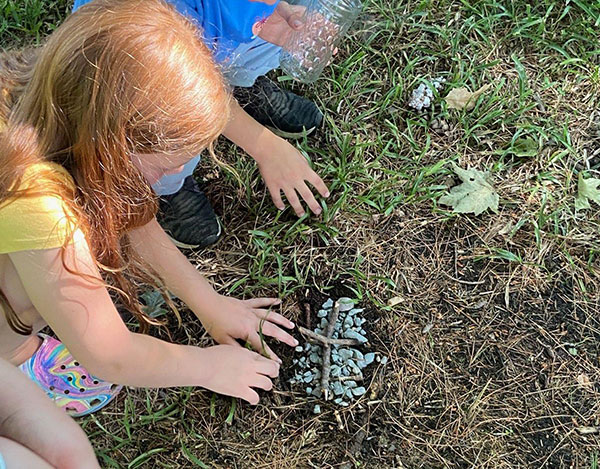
118	77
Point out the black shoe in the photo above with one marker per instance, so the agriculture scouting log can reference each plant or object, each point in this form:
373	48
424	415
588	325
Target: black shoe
287	114
188	217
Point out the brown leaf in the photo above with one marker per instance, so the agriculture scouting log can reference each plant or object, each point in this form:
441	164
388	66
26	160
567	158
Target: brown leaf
584	380
395	300
462	98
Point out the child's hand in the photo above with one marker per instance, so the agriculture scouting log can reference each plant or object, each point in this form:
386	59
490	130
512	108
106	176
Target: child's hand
285	169
278	27
247	320
234	371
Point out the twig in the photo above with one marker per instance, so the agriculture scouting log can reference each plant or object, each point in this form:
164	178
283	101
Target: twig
307	314
350	378
324	340
327	350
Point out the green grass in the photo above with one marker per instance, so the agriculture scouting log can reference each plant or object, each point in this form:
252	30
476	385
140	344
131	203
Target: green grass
480	389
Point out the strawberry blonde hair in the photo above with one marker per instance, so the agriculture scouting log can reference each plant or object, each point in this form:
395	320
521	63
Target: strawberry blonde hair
118	77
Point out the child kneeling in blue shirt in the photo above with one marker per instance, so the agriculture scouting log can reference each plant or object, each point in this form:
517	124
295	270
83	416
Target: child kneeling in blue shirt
245	38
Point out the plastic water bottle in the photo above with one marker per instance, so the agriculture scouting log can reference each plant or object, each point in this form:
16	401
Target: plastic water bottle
310	49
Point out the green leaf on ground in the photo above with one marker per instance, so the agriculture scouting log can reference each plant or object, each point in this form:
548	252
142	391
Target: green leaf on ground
474	195
524	147
587	189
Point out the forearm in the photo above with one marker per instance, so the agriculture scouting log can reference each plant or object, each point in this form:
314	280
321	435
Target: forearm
145	361
247	133
180	276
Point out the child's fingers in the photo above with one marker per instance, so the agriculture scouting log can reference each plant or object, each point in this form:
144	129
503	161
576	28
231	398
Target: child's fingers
276	197
250	396
262	302
292	198
262	382
292	14
273	331
309	198
318	184
261	347
273	317
268	368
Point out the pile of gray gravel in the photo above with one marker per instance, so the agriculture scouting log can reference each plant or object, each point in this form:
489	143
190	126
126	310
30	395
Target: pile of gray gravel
347	362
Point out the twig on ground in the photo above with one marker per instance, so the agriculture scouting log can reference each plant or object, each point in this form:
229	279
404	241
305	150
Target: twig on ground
327	350
307	315
324	340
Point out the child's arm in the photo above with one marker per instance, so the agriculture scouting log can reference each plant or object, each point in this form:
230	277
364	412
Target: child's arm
281	165
226	319
30	420
80	311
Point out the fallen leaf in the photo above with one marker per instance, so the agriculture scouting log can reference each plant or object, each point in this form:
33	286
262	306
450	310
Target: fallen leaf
587	189
584	380
462	98
524	147
474	195
394	301
587	430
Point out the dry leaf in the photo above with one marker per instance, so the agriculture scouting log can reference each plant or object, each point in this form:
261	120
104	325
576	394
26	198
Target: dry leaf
394	301
474	195
584	380
587	189
462	98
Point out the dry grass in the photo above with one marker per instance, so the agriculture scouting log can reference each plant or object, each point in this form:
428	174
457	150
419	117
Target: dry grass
507	373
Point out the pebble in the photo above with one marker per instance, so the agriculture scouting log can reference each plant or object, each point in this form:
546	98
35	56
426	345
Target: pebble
359	391
358	354
348	393
315	358
335	371
384	360
358	321
328	304
323	324
338	400
322	313
337	388
309	391
348	322
346	354
369	357
299	348
350	334
350	383
317	409
346	304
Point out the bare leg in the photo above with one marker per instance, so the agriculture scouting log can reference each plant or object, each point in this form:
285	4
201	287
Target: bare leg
30	420
16	455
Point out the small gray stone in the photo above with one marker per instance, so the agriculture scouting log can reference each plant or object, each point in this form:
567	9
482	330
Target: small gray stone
299	348
358	354
343	403
337	388
315	358
348	393
308	379
369	357
322	313
328	304
338	400
359	321
294	361
323	324
317	409
337	327
359	391
354	311
363	332
384	360
318	330
309	390
335	335
335	371
345	371
350	334
345	354
346	304
348	322
316	392
350	383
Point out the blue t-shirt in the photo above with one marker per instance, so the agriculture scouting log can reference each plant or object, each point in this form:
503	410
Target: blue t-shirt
225	23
